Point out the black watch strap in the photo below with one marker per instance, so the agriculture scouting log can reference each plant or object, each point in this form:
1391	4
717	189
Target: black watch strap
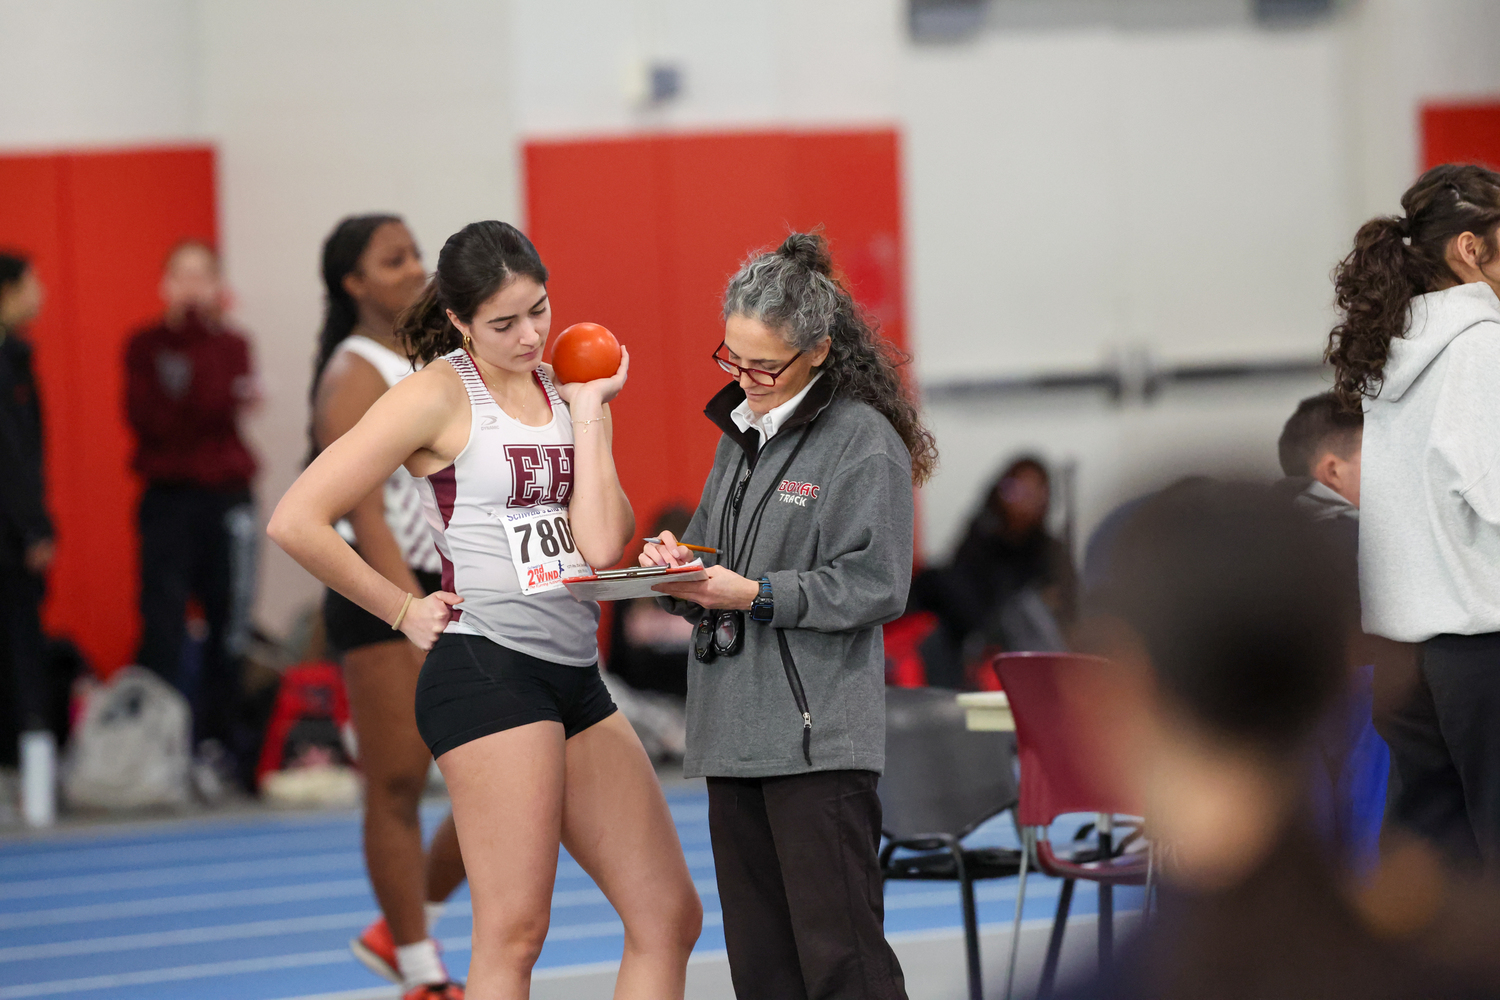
763	608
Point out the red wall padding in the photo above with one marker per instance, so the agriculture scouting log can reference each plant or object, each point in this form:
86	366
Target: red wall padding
1461	133
97	227
642	234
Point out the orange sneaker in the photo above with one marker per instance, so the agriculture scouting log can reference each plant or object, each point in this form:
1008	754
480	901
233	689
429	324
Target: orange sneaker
436	991
376	950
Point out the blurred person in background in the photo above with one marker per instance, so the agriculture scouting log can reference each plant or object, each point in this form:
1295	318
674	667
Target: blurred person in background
648	654
26	535
1320	449
1418	349
189	381
372	272
1010	585
1224	678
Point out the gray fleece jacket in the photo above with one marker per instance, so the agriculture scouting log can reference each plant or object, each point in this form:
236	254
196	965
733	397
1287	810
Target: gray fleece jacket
834	534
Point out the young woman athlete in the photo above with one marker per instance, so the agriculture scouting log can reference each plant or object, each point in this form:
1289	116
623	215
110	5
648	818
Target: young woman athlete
1419	350
520	489
372	272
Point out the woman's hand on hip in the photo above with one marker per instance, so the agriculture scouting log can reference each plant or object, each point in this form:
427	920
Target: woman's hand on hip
427	617
668	553
589	397
724	590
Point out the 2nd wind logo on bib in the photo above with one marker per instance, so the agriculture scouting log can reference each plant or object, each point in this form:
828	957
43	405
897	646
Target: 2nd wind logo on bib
797	493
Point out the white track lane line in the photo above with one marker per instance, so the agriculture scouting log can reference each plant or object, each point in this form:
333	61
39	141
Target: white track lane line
704	957
452	944
188	935
136	855
146	977
209	970
259	897
152	878
187	904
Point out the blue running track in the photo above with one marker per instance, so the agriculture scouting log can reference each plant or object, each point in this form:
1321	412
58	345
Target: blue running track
262	908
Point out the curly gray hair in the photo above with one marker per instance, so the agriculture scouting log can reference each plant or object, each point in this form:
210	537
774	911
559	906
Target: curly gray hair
793	291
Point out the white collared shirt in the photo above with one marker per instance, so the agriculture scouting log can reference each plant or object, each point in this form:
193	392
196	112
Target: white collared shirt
744	418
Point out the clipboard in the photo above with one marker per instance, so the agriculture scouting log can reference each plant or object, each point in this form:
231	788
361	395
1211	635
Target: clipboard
631	582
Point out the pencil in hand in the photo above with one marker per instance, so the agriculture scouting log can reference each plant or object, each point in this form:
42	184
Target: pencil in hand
690	548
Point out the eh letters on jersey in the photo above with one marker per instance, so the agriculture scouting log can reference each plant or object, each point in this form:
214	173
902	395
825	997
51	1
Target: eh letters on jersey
540	474
797	493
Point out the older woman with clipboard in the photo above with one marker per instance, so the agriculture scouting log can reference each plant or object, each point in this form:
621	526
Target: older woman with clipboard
810	507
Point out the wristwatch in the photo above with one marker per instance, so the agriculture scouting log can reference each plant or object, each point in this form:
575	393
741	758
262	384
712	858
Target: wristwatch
763	609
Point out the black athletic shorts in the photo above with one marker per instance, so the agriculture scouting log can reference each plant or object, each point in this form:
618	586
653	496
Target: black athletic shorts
350	626
472	687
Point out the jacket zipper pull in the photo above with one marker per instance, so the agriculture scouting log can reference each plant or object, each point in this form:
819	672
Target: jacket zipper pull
739	492
807	737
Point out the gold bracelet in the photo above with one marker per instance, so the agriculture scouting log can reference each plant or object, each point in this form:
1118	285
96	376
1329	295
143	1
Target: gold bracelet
396	625
586	423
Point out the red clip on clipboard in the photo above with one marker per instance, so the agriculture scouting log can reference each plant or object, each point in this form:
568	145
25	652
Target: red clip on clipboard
634	581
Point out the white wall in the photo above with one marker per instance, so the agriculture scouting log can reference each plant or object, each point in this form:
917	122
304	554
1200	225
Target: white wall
96	72
765	63
1069	190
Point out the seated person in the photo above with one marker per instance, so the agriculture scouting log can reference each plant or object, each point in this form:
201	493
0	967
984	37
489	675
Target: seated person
1010	584
1320	450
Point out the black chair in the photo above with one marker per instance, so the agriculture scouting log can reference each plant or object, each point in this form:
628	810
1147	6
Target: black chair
941	781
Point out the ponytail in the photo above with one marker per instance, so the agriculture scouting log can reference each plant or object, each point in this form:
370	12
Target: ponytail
341	254
1397	259
425	329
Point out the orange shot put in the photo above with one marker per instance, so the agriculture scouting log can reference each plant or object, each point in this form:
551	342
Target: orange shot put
585	352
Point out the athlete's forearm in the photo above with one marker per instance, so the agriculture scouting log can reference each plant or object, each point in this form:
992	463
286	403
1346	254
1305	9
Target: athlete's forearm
599	511
319	550
377	546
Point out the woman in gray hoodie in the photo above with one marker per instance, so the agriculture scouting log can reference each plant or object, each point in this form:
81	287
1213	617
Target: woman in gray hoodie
810	507
1419	351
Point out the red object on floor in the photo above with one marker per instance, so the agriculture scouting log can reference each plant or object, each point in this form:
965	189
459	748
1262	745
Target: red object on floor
97	227
311	695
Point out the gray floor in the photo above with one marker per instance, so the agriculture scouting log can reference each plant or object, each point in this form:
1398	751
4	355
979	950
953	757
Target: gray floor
934	965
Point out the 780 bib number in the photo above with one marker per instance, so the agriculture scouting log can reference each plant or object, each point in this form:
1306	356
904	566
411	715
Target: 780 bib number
542	548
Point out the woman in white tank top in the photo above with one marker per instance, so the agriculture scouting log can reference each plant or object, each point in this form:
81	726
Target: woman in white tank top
372	272
520	489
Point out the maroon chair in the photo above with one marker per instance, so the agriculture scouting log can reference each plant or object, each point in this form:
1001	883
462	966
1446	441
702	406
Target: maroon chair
1068	735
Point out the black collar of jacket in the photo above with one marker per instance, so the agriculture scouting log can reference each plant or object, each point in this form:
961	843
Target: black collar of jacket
724	402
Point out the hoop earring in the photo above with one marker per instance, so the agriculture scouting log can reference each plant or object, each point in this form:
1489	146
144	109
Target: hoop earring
468	343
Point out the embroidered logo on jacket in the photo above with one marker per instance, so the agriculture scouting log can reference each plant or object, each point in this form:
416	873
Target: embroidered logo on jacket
791	491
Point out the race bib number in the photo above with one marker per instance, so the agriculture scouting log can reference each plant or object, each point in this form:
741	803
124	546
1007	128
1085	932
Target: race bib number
542	549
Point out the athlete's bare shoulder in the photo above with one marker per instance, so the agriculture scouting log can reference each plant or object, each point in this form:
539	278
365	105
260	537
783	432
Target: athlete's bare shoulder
434	399
435	382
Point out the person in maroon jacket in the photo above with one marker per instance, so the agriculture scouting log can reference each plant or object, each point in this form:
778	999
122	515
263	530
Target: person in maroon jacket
188	381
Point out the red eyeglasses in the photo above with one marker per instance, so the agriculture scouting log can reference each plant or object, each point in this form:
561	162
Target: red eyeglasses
757	375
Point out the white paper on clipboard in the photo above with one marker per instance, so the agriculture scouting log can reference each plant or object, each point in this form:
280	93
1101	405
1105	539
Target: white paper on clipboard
636	581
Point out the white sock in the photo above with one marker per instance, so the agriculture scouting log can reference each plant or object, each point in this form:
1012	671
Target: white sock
434	914
419	964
